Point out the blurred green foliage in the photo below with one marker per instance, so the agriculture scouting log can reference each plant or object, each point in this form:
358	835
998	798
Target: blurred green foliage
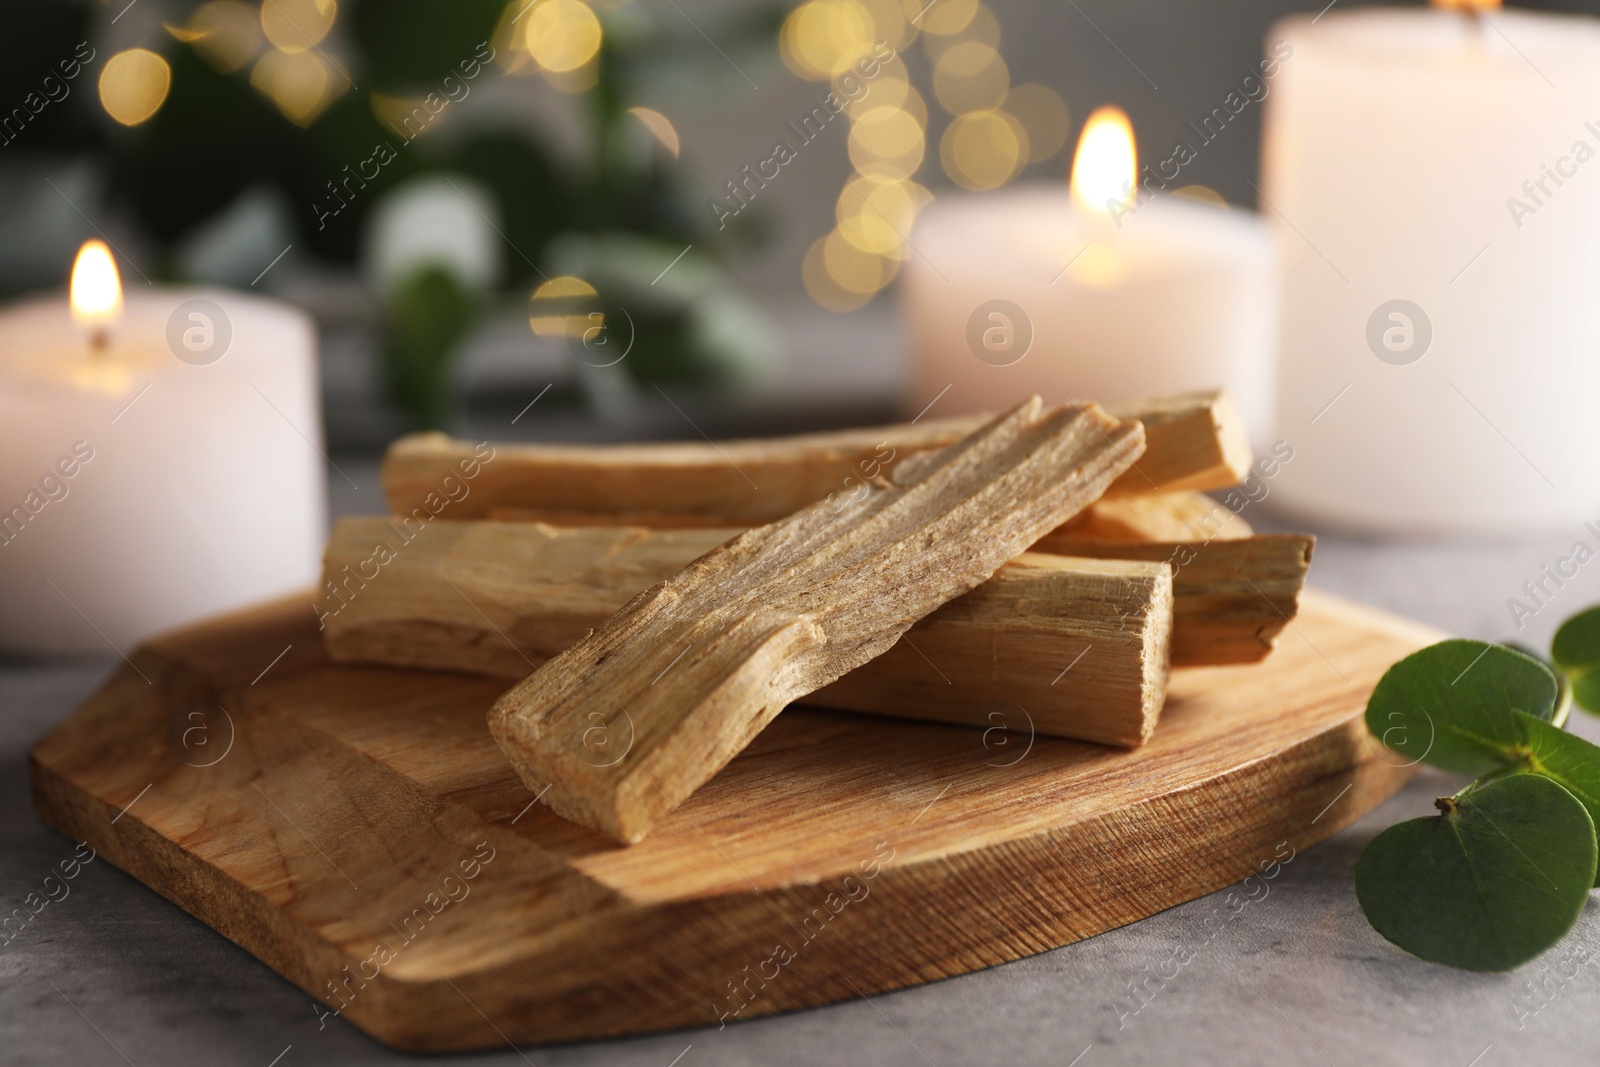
216	136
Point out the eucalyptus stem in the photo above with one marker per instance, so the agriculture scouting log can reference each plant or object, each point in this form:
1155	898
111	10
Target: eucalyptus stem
1563	699
1450	802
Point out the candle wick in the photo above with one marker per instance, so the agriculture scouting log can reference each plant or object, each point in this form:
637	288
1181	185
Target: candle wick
99	341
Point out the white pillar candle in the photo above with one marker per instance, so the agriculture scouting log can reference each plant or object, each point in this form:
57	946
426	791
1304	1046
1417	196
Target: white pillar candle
1437	192
1030	290
172	473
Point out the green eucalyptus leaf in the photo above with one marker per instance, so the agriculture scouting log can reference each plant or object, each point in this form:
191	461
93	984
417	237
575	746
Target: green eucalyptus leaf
1566	759
1451	704
1488	885
1576	650
1530	652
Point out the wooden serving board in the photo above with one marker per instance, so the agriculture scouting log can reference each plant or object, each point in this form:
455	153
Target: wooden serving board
359	831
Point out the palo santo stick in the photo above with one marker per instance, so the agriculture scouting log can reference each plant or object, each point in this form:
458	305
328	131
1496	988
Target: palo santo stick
499	598
692	669
1102	626
1231	598
1180	516
1194	441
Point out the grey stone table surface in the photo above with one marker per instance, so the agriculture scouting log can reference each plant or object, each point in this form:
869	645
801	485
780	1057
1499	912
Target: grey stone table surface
114	973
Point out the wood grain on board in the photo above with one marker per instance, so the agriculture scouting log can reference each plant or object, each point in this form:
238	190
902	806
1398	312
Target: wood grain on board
326	818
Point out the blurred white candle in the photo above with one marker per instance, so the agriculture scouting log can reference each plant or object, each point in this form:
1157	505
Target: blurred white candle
159	461
1030	290
1438	199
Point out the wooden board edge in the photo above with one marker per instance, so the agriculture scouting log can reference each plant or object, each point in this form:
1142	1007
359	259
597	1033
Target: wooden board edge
1337	776
916	933
222	903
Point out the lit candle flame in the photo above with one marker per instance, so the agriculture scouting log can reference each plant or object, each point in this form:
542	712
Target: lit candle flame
1467	5
1106	163
96	290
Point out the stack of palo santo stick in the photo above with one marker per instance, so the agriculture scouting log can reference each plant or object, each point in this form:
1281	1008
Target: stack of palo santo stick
660	603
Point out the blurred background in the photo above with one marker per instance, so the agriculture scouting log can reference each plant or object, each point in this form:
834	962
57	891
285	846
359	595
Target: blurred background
455	187
414	171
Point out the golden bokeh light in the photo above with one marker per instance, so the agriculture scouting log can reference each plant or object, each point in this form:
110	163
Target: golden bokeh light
914	104
298	83
1467	5
885	86
507	41
890	24
1106	163
297	25
857	97
823	289
942	17
408	117
984	29
226	33
970	76
1043	116
134	85
562	35
983	149
854	270
564	306
822	38
891	92
887	142
876	214
841	277
660	127
1202	194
